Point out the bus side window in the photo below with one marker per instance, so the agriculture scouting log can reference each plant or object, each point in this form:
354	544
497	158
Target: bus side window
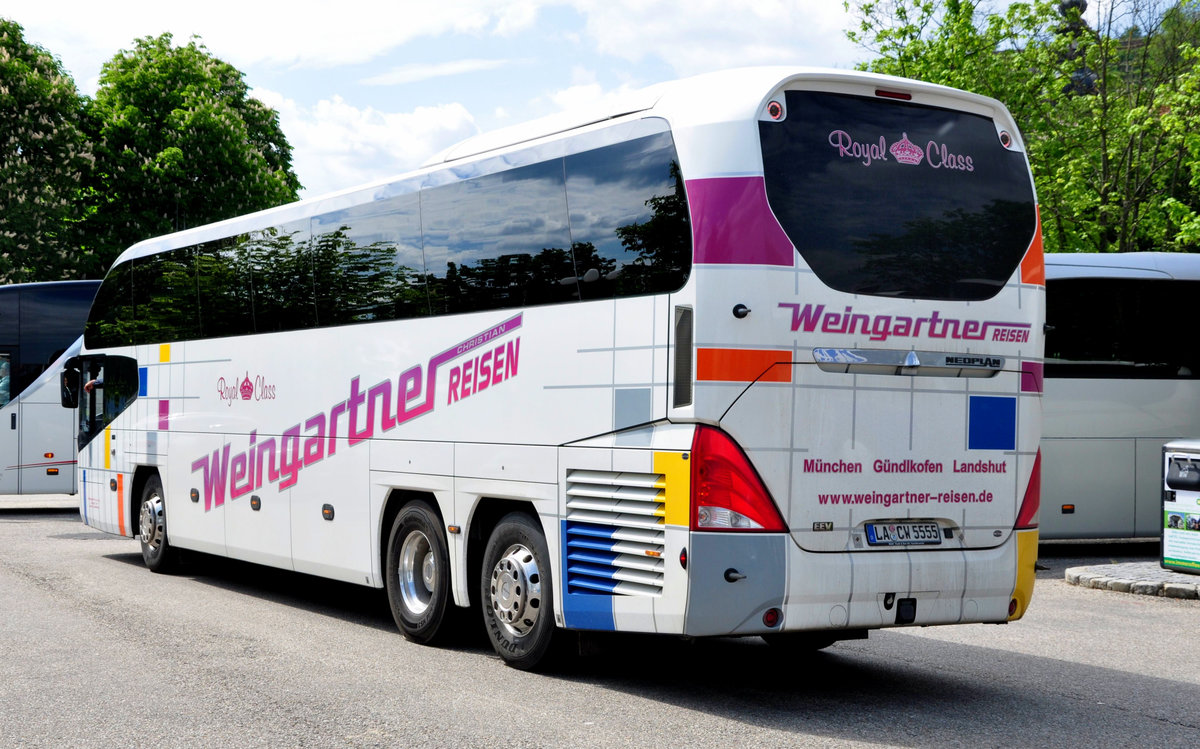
5	379
110	385
70	383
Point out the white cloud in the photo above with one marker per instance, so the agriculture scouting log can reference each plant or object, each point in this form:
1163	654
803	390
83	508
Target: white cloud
302	33
336	145
705	35
692	37
415	73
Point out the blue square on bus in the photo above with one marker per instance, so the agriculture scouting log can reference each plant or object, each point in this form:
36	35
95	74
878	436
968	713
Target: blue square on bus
992	423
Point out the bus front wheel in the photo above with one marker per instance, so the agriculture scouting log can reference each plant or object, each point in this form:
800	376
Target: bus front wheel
157	552
418	565
516	593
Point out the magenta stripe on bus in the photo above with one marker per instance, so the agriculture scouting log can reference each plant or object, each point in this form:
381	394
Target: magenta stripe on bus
732	223
1031	376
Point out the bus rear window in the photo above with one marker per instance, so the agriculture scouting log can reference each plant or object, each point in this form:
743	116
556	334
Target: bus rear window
896	199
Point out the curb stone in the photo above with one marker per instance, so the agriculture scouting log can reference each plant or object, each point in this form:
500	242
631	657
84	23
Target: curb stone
1139	578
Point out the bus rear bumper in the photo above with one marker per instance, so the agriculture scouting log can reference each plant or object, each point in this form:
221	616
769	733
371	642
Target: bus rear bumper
932	587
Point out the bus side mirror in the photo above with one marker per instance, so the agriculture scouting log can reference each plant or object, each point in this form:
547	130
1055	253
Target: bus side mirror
70	383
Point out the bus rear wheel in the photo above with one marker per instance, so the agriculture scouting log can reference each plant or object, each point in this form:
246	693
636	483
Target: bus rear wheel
516	593
157	552
418	565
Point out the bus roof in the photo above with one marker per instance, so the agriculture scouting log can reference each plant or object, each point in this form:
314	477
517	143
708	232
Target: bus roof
1174	265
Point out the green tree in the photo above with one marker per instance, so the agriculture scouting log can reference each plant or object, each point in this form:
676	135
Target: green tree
179	143
43	158
1105	113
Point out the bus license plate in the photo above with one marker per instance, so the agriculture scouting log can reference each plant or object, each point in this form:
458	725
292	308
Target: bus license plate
903	534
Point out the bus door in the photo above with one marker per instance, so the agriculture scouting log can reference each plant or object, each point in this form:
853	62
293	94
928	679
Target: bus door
9	433
100	388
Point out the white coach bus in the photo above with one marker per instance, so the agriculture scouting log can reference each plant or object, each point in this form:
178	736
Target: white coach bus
39	323
1119	383
753	353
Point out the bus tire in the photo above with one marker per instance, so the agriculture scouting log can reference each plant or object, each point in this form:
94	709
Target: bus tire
516	593
418	573
157	552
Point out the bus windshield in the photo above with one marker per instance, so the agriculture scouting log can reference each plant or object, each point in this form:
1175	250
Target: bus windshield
897	199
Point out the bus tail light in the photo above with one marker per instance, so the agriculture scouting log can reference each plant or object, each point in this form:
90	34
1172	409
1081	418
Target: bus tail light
1028	516
727	494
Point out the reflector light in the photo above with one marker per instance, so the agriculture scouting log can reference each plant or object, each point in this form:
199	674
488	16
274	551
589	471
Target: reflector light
727	494
47	455
1012	607
683	558
1028	516
771	617
893	95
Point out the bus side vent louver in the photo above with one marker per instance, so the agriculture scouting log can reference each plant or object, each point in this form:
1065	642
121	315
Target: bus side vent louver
614	533
683	357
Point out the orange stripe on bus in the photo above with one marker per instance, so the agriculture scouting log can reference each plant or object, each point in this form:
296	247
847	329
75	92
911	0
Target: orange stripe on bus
121	502
743	365
1033	265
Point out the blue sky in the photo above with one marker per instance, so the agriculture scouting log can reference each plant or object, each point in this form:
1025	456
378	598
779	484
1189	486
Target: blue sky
367	90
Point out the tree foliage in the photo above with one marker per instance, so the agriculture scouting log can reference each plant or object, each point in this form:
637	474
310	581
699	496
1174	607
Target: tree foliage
43	159
179	142
1108	114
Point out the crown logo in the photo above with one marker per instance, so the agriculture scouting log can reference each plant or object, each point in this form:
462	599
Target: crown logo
906	152
247	388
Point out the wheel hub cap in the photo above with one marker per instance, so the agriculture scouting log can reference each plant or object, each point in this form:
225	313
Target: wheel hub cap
516	590
418	573
152	522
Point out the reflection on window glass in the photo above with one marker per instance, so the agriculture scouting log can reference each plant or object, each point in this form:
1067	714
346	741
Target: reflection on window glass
224	286
164	297
498	241
896	199
52	315
1119	328
368	263
629	218
110	387
495	241
5	379
111	322
278	264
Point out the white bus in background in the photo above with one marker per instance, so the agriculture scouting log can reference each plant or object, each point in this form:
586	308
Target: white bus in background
38	322
1122	378
753	353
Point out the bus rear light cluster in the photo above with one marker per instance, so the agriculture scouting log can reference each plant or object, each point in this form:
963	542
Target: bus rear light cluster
727	494
1028	516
